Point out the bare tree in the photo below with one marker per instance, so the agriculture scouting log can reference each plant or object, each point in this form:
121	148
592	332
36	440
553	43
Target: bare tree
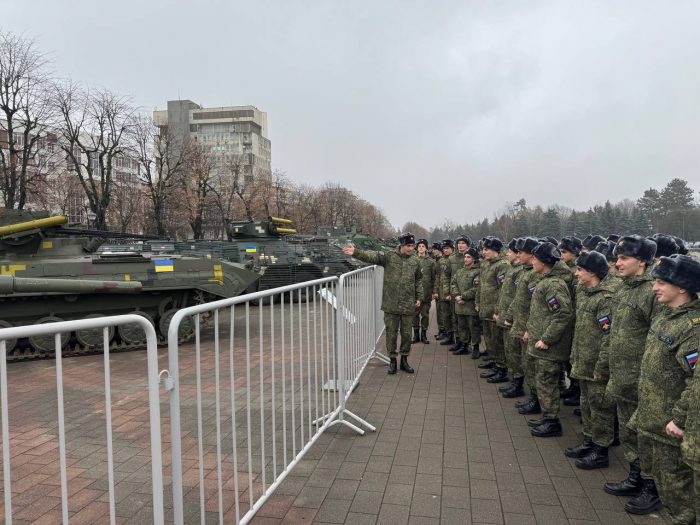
94	128
195	185
275	193
25	116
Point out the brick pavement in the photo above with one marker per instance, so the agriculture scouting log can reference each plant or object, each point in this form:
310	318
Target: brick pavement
447	449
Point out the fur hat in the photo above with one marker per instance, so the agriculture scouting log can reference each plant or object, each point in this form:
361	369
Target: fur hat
682	246
424	242
406	238
547	253
463	238
614	237
473	252
526	244
665	245
437	246
594	262
636	246
591	241
549	238
607	248
571	244
493	243
447	243
681	270
513	245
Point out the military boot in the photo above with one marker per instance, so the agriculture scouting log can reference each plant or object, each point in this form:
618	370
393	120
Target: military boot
630	486
448	340
596	458
550	428
457	346
532	423
424	337
488	373
648	500
580	450
531	407
440	335
501	376
515	390
476	354
392	366
466	349
488	364
405	366
416	336
573	390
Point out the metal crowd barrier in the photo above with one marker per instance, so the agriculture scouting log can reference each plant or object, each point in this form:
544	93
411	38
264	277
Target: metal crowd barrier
56	330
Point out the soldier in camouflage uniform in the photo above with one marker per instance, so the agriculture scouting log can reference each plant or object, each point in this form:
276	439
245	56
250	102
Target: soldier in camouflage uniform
591	335
504	320
437	255
401	294
570	248
493	274
519	312
422	317
665	378
456	261
463	288
548	336
444	308
634	305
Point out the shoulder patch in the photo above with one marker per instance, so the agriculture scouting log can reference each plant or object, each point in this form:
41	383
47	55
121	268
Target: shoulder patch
691	359
695	320
501	277
604	324
553	304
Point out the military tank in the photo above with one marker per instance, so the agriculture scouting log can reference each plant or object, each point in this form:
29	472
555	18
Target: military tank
42	250
329	255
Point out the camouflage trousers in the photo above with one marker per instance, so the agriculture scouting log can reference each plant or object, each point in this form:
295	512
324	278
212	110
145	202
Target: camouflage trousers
529	367
628	436
469	329
493	337
696	492
453	316
674	479
514	358
422	317
395	324
547	385
444	315
597	412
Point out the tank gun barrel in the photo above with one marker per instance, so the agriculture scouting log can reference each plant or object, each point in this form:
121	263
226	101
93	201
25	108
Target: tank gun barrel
19	227
10	284
278	220
286	230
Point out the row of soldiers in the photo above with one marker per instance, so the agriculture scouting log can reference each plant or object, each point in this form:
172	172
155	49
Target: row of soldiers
621	316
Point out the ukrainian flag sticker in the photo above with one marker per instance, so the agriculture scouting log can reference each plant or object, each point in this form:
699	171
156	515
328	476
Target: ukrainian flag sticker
251	249
164	265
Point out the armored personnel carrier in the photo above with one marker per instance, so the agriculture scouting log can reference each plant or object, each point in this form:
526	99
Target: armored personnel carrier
47	258
341	235
327	254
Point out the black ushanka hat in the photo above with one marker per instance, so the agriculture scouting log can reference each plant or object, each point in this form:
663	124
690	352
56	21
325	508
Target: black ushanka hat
493	243
594	262
665	245
571	244
547	253
636	246
681	270
591	241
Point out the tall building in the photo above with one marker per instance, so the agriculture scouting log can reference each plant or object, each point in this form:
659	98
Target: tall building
233	135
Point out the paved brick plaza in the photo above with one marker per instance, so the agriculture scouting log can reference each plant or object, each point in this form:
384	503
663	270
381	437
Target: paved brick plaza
448	449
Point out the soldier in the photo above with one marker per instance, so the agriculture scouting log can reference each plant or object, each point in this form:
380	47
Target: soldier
666	374
493	274
401	294
634	305
570	248
444	308
590	242
437	276
456	260
504	320
464	286
422	317
519	312
591	335
548	337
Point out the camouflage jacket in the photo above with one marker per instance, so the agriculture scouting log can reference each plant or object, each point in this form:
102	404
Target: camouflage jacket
666	373
634	304
592	332
436	274
690	446
493	273
550	319
445	272
519	310
402	285
456	261
465	283
561	270
505	298
427	266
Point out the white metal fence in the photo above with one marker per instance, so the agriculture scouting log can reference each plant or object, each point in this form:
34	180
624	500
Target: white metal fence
58	331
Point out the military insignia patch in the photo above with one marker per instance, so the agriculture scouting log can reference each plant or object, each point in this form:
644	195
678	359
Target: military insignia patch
695	320
604	323
501	277
691	359
531	289
553	304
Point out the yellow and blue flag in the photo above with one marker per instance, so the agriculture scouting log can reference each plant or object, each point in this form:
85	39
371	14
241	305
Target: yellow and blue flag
251	249
164	265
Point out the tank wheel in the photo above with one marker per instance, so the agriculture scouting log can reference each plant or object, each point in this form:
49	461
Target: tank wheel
45	344
133	334
185	331
10	344
90	338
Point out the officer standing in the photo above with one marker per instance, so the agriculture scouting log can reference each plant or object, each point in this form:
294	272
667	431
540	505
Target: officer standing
548	336
570	248
401	294
422	317
634	305
667	369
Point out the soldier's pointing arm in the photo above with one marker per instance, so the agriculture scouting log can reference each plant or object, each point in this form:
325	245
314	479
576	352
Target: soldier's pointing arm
372	257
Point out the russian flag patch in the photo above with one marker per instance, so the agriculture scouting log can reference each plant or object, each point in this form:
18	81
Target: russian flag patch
691	359
553	304
604	323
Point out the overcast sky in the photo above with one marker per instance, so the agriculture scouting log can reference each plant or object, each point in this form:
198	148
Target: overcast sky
431	110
